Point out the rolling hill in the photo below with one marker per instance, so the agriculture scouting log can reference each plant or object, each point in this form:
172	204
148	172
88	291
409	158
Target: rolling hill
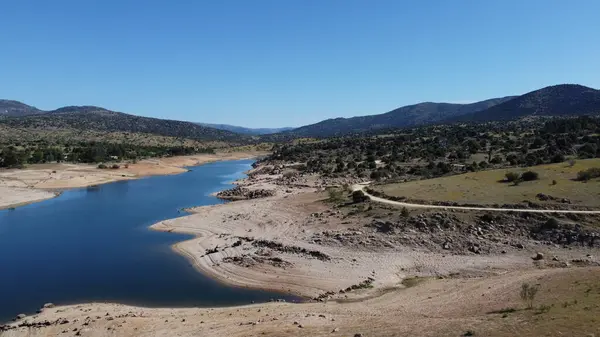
91	118
557	100
17	109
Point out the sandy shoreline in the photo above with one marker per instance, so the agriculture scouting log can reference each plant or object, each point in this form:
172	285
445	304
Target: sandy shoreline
19	187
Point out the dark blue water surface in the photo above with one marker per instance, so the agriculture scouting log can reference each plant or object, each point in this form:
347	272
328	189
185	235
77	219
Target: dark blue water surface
94	245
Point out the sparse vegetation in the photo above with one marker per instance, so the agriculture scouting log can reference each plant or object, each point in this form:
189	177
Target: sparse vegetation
335	194
482	187
528	293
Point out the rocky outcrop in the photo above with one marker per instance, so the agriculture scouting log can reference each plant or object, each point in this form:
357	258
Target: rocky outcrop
242	193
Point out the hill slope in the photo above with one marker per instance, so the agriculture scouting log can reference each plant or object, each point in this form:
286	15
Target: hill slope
564	99
91	118
16	109
417	114
245	131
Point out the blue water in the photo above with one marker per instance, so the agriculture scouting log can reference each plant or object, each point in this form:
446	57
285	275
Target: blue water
94	245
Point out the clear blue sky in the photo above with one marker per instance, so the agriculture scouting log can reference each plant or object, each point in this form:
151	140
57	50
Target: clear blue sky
269	63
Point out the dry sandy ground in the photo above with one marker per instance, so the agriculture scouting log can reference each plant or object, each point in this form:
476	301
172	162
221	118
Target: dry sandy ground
287	221
446	307
39	182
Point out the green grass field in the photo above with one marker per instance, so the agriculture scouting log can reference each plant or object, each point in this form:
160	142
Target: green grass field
484	187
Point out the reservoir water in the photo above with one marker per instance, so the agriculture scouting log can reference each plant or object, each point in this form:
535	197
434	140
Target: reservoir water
93	244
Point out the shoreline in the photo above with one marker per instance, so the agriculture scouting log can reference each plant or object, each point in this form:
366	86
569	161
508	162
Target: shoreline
46	181
289	220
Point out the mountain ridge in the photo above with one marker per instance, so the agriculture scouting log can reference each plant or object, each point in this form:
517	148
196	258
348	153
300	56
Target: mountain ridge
100	119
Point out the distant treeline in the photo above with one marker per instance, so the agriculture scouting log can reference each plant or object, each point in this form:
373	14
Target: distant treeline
88	152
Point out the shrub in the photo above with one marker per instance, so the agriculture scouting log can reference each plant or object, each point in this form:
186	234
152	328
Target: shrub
550	224
572	162
405	213
528	293
102	166
115	167
511	176
529	176
359	196
554	182
588	174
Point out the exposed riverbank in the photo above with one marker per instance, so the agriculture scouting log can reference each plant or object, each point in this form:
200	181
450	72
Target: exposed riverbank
362	282
43	181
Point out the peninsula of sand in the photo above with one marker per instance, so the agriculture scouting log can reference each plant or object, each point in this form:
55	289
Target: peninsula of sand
39	182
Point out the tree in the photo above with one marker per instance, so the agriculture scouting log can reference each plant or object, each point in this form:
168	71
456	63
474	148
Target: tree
528	293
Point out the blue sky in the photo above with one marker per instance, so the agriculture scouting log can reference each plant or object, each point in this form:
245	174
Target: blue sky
269	63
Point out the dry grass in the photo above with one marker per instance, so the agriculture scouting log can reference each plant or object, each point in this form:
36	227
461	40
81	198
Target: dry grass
568	304
484	187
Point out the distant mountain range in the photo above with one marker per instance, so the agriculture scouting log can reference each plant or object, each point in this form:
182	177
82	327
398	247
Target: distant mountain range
245	131
565	99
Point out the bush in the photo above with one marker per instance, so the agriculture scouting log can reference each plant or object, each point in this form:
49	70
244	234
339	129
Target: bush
115	167
359	196
511	176
588	174
102	166
405	213
529	176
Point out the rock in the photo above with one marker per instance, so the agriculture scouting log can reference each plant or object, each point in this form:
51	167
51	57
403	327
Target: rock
335	330
446	245
358	335
20	316
538	256
48	305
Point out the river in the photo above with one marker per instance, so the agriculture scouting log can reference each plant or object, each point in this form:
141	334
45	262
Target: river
93	244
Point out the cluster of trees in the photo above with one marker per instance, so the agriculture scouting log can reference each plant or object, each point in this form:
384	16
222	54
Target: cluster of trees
439	150
88	152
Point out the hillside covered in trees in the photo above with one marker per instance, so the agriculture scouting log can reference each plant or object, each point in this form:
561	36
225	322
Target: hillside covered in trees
432	151
99	119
